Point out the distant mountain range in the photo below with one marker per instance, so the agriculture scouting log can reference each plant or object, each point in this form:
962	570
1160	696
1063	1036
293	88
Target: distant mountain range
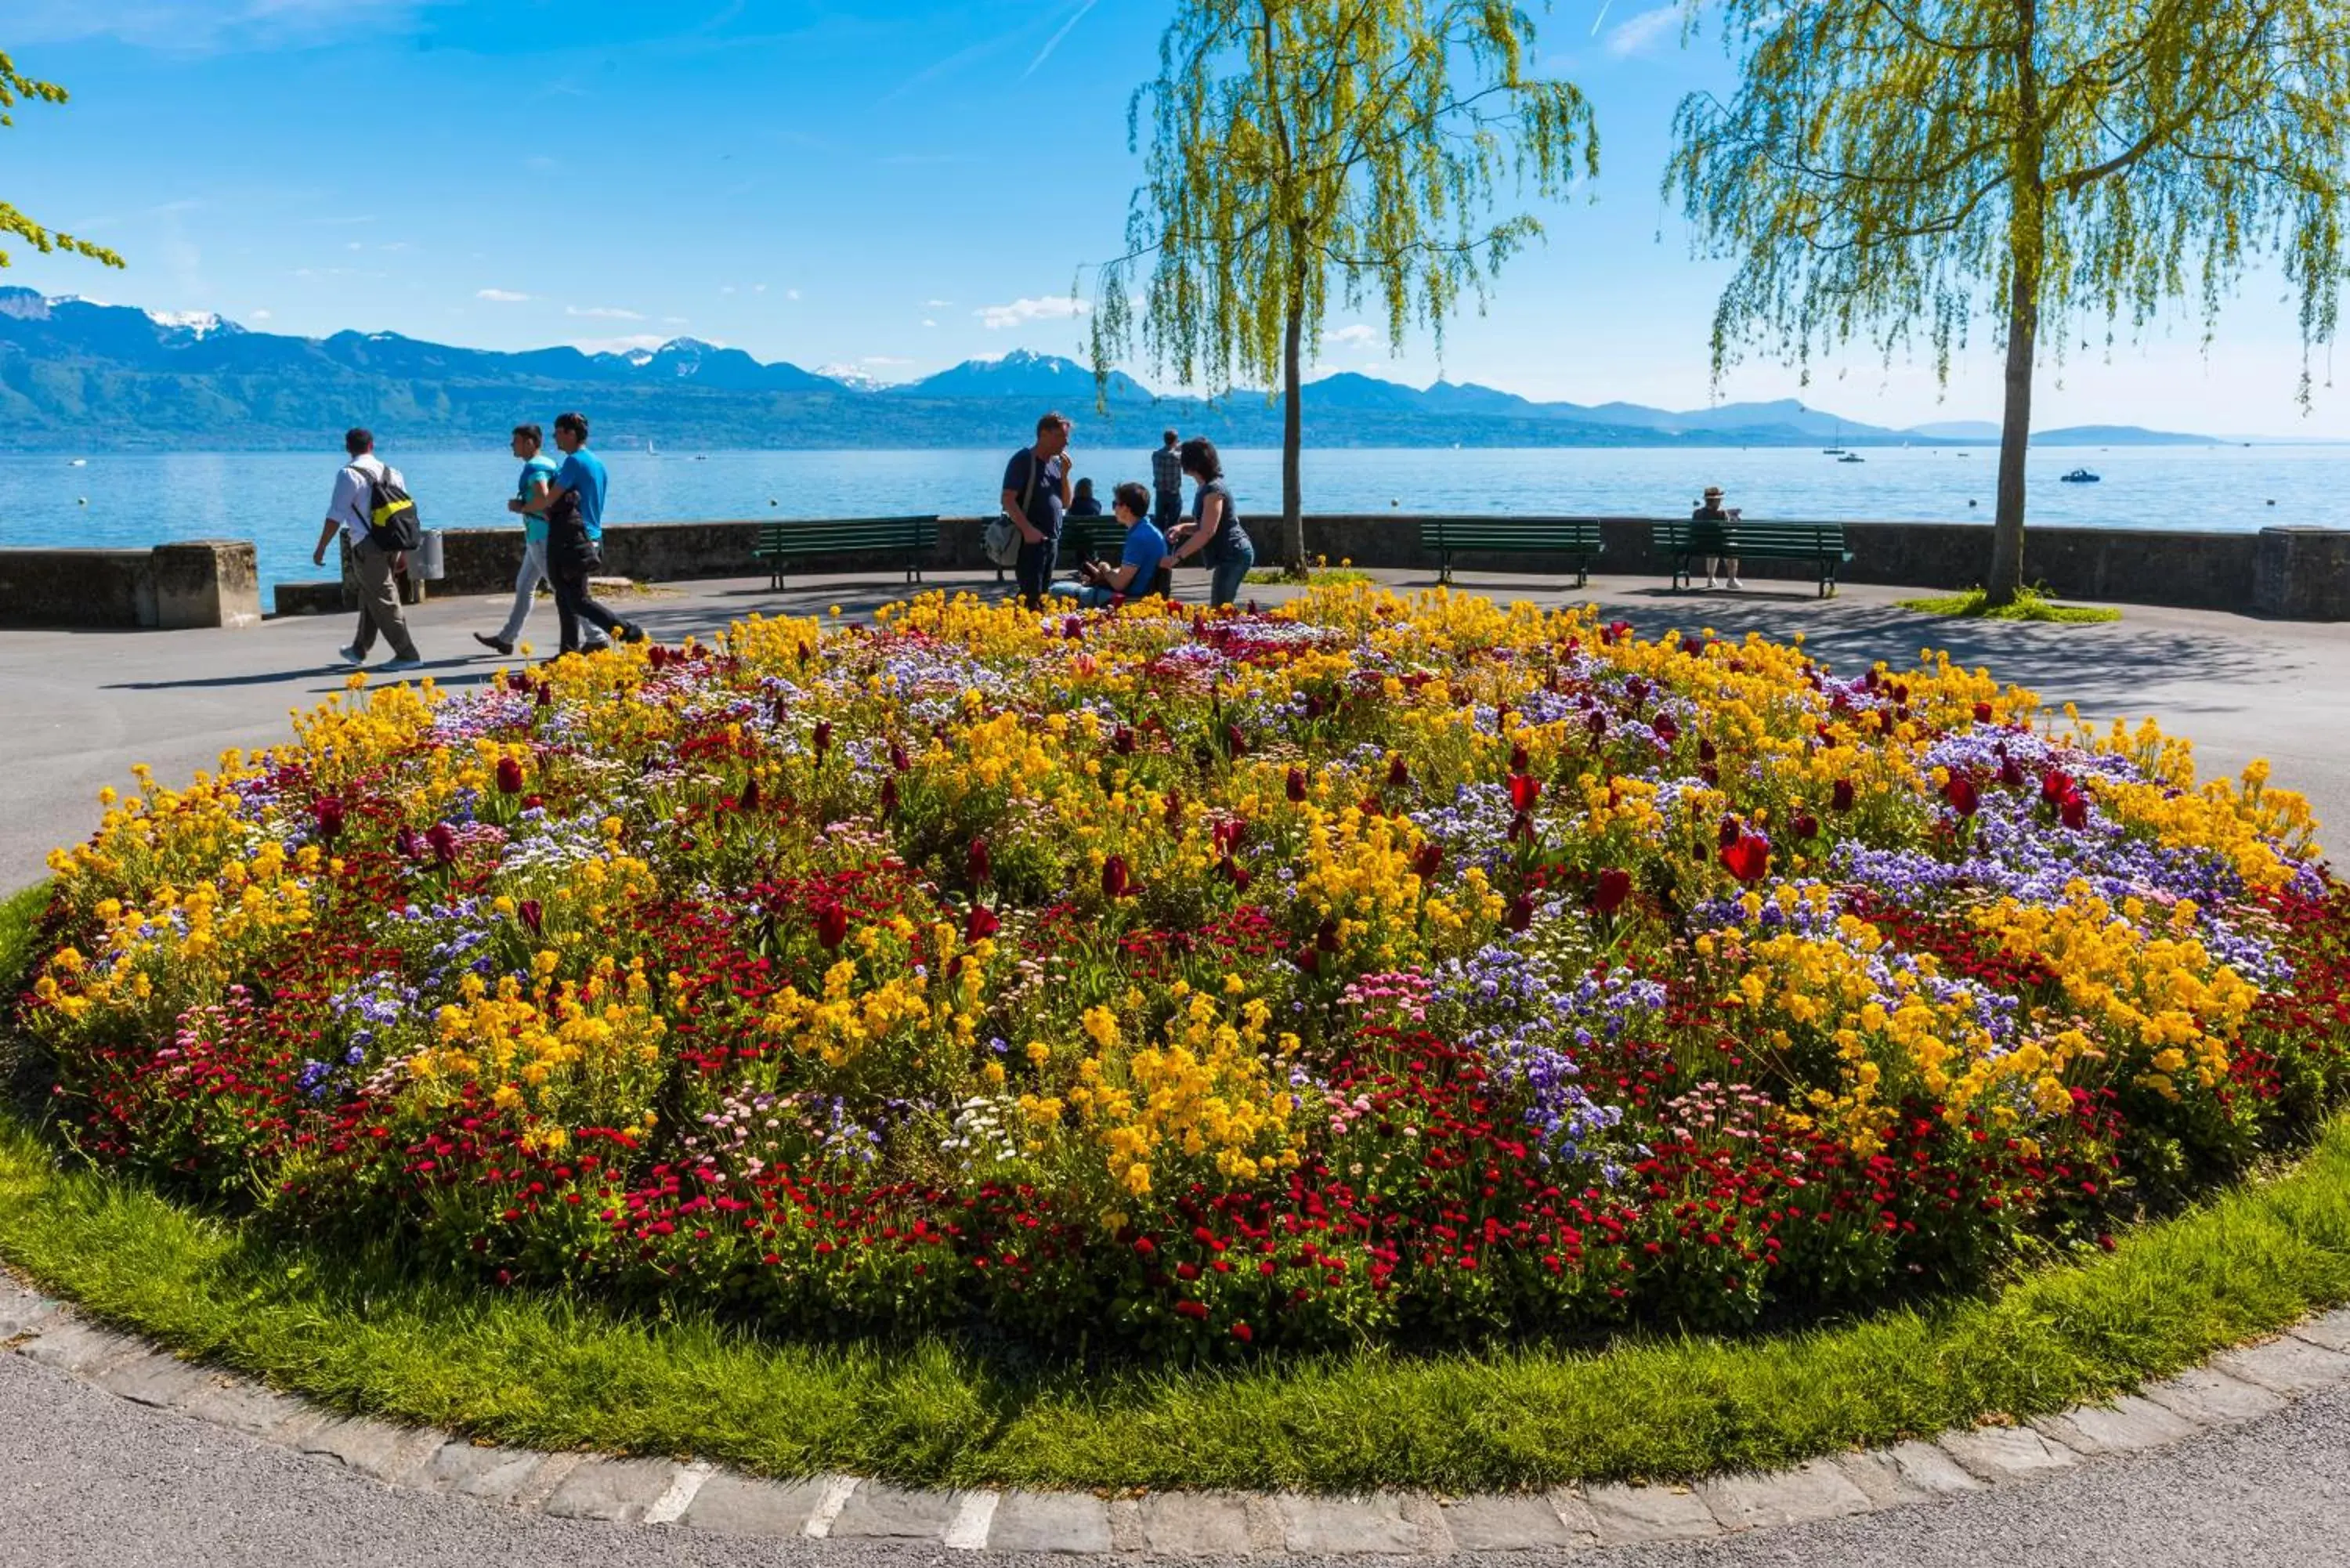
75	375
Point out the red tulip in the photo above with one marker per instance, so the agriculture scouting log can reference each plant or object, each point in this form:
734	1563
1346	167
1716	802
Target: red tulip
1297	784
889	798
1597	723
1667	730
534	915
1520	912
545	695
822	737
1427	861
980	924
898	760
2074	810
749	800
1235	743
443	843
1524	790
405	842
1805	826
977	864
2010	774
1841	800
2054	785
831	926
1398	776
1748	858
329	811
1122	742
1326	935
1235	873
1961	793
1982	713
1614	887
1518	759
1116	883
1243	1333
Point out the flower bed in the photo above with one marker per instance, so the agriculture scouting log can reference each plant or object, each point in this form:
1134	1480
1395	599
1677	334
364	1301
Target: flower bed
1376	968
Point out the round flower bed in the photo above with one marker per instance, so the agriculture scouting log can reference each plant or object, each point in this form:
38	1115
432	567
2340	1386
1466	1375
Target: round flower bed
1377	968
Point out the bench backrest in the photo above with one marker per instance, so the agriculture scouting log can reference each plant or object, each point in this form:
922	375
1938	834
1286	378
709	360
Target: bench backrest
1743	537
847	533
1509	533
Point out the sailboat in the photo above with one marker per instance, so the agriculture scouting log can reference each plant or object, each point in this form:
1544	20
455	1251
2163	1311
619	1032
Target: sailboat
1838	449
651	450
79	462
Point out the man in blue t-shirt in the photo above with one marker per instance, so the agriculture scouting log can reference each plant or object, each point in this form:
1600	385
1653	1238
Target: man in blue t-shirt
1035	495
538	473
574	509
1101	585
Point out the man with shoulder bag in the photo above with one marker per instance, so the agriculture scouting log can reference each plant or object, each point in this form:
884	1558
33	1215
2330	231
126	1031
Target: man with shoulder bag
372	509
574	509
1035	497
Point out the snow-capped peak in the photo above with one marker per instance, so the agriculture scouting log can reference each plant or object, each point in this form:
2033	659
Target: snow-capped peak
200	323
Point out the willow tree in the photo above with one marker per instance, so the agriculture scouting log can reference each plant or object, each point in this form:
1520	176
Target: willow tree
1890	167
1303	148
15	88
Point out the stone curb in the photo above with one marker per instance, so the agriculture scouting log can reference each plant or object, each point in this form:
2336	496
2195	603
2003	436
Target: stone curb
2239	1385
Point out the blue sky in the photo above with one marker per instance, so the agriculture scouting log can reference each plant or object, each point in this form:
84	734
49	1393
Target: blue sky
893	187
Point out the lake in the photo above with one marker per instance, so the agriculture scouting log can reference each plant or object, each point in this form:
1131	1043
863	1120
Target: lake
278	499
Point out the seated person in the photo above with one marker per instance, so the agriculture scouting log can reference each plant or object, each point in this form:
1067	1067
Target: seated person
1084	504
1100	584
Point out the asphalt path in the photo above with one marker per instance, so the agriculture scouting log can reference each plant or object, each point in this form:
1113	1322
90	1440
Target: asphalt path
77	709
89	1479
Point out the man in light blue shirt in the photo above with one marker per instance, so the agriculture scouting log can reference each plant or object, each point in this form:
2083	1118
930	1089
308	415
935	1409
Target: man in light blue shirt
574	509
538	472
1136	575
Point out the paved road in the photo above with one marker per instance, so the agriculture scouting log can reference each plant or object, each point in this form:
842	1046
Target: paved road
82	707
89	1479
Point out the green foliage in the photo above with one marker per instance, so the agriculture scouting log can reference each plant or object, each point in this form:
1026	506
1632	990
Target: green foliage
15	88
1890	167
2027	605
1297	144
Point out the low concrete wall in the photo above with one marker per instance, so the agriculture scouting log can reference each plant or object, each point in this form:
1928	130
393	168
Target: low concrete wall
2301	573
177	587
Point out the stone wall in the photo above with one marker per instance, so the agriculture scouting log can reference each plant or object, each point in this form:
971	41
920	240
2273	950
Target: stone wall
176	586
2301	574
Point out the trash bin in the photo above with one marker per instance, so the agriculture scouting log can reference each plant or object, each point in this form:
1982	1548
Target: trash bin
427	564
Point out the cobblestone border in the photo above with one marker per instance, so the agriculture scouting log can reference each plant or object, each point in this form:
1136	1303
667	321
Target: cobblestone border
2239	1385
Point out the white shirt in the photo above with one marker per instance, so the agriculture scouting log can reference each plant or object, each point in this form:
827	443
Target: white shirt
349	506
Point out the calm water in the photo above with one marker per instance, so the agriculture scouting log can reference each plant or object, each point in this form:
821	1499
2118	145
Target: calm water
278	499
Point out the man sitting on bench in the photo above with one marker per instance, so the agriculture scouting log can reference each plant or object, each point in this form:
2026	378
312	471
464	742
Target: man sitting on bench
1100	584
1709	510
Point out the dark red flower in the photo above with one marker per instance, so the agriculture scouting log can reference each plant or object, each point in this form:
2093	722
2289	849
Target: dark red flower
1749	859
980	924
831	926
407	842
898	760
1961	795
1398	776
328	812
1235	743
977	865
1524	790
1297	784
1427	861
1121	741
1982	713
1520	912
2054	785
1706	752
1614	887
1667	730
2010	773
534	915
1243	1333
1192	1309
1805	826
1518	759
1326	935
748	800
1235	873
509	776
1841	799
2074	810
1730	832
1116	882
822	737
889	798
545	695
443	843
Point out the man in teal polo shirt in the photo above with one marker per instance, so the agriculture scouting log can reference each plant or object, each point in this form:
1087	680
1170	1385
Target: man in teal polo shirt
537	479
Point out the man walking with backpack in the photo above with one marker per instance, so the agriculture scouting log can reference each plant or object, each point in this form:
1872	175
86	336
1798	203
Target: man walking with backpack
371	509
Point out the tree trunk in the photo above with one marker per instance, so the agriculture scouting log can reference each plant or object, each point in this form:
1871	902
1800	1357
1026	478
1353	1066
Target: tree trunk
1293	442
2026	236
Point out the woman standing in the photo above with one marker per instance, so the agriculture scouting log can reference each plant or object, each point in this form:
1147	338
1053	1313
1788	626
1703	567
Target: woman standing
1216	539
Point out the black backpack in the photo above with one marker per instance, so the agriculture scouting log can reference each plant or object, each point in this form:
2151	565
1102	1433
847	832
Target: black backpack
392	523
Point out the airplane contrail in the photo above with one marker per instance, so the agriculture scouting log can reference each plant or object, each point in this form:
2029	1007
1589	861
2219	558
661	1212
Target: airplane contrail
1054	41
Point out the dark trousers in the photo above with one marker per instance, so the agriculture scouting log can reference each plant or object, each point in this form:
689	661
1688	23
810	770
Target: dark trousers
1167	509
1034	568
567	571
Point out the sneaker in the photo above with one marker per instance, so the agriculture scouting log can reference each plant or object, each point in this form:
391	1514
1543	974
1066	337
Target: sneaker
391	666
349	656
1736	583
601	645
1708	582
632	632
498	645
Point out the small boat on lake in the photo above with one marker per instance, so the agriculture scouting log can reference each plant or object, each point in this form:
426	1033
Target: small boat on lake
79	462
1852	457
2080	476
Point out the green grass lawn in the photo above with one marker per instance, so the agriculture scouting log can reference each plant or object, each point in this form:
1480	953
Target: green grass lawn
554	1372
2029	605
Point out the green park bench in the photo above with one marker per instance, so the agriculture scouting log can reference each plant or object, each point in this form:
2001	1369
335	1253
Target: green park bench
793	544
1688	545
1445	538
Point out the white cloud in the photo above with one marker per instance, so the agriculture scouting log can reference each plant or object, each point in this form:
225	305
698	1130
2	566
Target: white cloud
928	322
758	288
500	296
1357	333
1637	35
1020	312
938	305
788	294
602	313
728	288
258	315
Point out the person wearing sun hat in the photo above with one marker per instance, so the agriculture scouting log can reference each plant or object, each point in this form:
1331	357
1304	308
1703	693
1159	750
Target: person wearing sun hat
1709	510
